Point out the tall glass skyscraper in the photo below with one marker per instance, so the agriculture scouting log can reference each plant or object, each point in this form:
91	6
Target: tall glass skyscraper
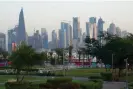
100	26
76	27
21	33
44	36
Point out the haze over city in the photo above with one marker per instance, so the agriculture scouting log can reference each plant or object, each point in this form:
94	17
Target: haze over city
49	14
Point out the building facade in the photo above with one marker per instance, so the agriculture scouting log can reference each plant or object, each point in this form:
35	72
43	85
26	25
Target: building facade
3	41
76	27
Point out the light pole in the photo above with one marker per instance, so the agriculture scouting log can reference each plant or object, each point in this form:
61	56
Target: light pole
112	61
126	73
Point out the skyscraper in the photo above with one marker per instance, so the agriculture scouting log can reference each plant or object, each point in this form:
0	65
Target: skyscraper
44	36
100	26
71	38
93	27
87	29
62	38
3	41
76	27
112	29
12	39
66	28
21	33
54	39
118	31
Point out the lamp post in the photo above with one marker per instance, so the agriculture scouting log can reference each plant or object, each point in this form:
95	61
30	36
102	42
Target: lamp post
126	73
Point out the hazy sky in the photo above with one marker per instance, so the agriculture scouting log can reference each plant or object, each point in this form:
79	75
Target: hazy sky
49	14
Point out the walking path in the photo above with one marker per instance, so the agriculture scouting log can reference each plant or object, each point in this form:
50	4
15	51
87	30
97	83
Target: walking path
113	85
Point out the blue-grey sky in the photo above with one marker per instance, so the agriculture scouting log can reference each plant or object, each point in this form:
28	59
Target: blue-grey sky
44	14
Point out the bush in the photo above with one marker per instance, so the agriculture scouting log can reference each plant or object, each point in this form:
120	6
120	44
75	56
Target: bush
70	85
93	84
57	81
17	85
95	77
33	86
107	76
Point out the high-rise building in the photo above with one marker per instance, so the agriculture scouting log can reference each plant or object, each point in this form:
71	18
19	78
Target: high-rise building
76	27
92	20
31	41
93	27
100	26
83	37
37	40
118	31
21	32
12	39
71	38
112	29
62	38
54	40
3	41
66	28
87	28
44	36
124	33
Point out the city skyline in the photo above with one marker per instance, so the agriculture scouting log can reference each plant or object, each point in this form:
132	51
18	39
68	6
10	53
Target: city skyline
39	19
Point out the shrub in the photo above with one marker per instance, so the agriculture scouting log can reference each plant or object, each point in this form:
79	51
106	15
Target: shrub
57	81
107	76
95	77
93	84
33	86
17	85
70	85
45	85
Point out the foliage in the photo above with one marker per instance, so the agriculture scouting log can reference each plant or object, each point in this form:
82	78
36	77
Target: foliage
24	57
106	76
95	77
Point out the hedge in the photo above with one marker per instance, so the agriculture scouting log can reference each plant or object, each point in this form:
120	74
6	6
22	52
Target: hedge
95	77
106	76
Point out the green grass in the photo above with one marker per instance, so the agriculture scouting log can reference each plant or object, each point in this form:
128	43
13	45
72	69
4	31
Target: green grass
4	78
2	87
84	72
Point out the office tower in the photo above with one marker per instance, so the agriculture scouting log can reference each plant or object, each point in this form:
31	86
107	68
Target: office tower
100	27
118	31
92	20
94	31
21	33
12	39
3	41
65	27
37	40
62	38
83	37
87	29
76	27
93	27
54	39
44	35
124	34
71	38
112	29
31	41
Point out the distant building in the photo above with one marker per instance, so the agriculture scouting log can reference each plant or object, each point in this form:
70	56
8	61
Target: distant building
112	29
87	29
124	34
54	40
100	26
118	31
76	27
44	35
3	41
71	37
83	37
37	40
12	39
21	32
31	41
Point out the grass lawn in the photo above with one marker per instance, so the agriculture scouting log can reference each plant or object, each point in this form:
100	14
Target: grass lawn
84	72
2	87
4	78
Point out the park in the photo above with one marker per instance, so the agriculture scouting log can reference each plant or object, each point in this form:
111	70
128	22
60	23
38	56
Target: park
26	69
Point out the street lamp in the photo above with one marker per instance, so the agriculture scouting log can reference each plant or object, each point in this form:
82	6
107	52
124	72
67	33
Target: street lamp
126	73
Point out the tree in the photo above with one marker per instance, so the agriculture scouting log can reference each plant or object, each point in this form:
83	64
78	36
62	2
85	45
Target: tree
79	53
23	58
59	52
70	52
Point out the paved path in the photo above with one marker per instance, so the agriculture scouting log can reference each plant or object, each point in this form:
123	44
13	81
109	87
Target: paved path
113	85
